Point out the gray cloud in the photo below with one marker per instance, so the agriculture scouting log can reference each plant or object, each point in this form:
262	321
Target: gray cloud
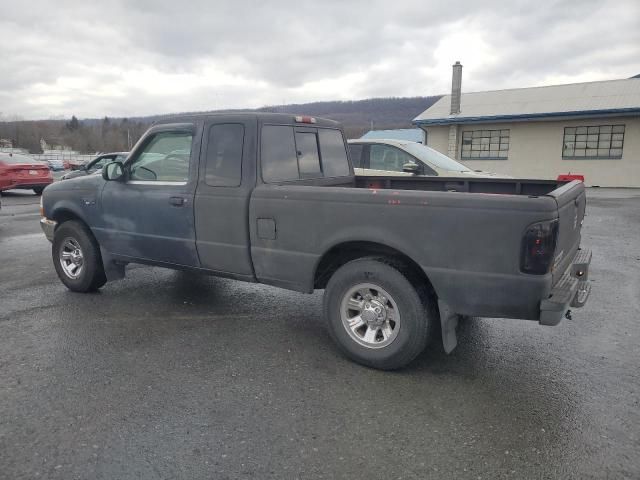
144	57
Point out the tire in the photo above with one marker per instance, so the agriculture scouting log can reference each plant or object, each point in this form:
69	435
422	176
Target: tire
75	245
38	190
403	325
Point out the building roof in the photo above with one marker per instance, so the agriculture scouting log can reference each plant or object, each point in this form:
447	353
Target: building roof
611	97
411	134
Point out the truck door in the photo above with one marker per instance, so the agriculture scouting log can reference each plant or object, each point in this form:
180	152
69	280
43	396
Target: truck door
227	177
149	215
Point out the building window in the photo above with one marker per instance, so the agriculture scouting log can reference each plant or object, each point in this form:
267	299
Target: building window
603	141
485	145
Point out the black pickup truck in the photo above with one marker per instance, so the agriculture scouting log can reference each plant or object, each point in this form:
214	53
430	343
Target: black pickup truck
272	198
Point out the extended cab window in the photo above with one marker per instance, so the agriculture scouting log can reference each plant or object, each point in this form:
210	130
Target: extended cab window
385	157
334	155
164	158
355	149
224	155
278	154
292	154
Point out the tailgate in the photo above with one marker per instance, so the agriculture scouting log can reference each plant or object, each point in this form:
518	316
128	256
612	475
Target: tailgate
572	200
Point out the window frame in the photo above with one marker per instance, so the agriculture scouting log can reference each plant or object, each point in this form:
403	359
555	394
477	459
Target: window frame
490	135
131	159
575	134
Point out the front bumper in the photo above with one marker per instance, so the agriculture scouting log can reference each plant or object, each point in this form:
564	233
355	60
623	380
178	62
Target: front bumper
48	227
572	290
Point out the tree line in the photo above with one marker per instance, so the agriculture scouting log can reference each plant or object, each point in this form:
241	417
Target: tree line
119	134
84	136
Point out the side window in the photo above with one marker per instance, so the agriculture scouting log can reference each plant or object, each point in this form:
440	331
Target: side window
224	155
334	155
308	157
292	154
278	154
164	158
391	159
356	154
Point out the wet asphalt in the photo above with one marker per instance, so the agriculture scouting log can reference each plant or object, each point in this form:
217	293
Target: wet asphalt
171	375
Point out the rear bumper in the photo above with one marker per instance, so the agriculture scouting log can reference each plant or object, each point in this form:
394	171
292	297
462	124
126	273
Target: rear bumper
572	290
48	227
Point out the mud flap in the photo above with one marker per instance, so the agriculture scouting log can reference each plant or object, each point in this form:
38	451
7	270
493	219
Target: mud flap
449	322
112	270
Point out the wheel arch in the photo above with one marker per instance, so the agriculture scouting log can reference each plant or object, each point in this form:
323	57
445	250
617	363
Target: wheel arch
62	215
344	252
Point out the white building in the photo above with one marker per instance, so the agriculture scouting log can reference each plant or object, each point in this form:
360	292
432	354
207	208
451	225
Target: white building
591	129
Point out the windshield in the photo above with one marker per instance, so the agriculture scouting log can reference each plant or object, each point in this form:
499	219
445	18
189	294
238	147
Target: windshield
433	157
16	158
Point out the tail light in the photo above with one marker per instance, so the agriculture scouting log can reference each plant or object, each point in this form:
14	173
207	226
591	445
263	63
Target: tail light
538	247
305	119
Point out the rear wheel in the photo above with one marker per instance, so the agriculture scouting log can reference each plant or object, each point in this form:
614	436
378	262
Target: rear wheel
376	315
76	257
38	190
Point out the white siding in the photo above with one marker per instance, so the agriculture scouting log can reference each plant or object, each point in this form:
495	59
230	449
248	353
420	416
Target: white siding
535	151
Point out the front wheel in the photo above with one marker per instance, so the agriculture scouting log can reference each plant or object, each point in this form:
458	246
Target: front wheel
376	315
38	190
76	257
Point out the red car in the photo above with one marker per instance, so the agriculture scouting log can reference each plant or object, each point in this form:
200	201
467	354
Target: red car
21	171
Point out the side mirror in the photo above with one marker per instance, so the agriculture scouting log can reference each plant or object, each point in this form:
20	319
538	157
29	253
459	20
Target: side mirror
113	171
411	168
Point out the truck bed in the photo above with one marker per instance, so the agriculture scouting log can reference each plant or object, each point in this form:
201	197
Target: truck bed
466	235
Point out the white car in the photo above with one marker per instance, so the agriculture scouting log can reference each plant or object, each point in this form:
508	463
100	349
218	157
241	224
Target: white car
377	157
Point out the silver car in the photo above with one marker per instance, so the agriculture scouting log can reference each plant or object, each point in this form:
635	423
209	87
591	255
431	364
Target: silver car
384	157
55	164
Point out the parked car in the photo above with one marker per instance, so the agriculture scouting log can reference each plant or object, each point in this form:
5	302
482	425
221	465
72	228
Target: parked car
272	198
55	164
404	157
95	165
23	172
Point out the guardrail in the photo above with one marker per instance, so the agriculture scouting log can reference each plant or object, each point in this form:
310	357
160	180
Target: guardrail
73	158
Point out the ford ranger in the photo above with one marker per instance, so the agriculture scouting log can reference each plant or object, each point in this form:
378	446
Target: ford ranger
272	198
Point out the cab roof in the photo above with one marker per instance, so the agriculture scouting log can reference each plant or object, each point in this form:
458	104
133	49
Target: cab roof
261	117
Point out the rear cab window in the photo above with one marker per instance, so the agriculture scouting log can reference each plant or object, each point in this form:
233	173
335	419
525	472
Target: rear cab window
355	150
294	153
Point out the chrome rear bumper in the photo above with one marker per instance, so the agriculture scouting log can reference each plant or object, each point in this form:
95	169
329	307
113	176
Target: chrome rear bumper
572	290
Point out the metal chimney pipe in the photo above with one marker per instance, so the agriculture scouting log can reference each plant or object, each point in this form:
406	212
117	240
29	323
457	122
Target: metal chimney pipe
456	88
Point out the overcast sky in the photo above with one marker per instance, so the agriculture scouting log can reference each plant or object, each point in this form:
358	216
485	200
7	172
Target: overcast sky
92	59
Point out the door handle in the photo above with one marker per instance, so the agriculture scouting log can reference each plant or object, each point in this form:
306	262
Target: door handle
177	201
